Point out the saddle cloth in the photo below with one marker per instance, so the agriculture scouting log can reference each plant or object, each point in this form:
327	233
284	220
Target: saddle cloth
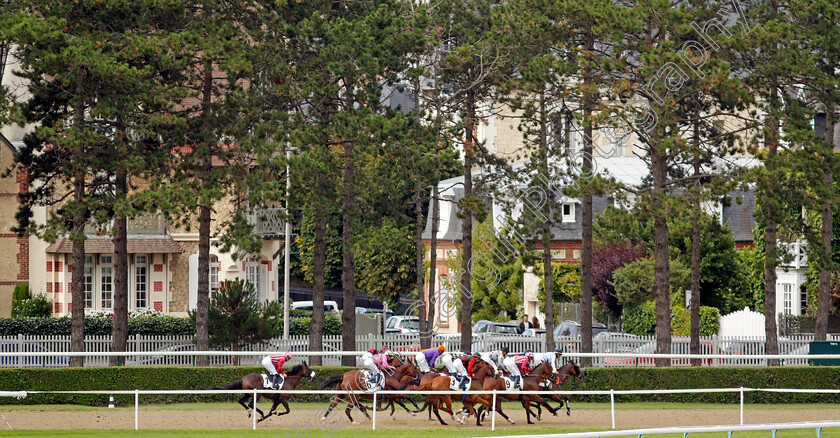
370	386
509	384
267	381
454	385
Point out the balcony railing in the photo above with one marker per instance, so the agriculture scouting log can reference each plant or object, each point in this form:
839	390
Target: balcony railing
267	222
152	224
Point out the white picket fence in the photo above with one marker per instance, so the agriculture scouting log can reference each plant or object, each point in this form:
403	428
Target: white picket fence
718	351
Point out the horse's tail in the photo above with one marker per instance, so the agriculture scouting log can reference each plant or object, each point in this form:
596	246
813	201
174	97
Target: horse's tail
414	382
332	381
235	385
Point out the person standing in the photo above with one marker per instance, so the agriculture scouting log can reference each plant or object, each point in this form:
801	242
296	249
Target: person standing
525	324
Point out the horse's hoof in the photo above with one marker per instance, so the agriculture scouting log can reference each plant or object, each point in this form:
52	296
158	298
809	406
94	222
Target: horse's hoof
413	414
355	422
512	422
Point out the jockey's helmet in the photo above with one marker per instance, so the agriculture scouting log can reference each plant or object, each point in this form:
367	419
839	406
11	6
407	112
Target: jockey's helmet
558	350
529	354
287	356
372	351
441	348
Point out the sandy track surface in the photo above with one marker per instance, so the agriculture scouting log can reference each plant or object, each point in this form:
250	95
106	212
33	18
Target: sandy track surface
156	418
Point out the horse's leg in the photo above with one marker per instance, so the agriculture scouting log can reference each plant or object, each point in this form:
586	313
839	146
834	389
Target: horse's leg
352	401
502	413
568	411
276	401
399	402
285	402
527	404
335	401
437	414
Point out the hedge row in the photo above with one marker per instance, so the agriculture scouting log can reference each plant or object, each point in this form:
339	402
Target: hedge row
146	325
129	378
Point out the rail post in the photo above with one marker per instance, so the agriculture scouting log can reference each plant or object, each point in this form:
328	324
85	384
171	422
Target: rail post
612	406
493	415
742	406
254	411
374	410
136	409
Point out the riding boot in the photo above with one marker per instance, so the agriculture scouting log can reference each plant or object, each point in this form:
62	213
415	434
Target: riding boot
276	381
516	380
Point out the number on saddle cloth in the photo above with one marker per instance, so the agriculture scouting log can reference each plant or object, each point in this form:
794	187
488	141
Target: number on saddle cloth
268	384
370	385
509	386
455	385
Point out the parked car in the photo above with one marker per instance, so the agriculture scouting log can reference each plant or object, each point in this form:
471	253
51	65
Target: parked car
533	333
494	328
29	361
571	329
329	306
367	311
403	324
221	360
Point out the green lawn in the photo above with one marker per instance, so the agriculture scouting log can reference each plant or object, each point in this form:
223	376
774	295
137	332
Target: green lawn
362	433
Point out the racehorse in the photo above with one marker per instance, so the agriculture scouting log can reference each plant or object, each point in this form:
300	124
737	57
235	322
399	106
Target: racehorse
255	381
530	382
354	383
437	381
402	372
555	383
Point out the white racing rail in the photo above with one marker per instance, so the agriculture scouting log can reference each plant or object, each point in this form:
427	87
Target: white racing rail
377	394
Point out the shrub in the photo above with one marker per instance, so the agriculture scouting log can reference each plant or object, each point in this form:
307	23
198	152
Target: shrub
640	319
37	307
20	294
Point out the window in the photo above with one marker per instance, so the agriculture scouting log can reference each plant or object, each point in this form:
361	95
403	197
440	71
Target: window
106	281
803	299
252	274
787	297
214	275
88	282
569	212
480	328
141	281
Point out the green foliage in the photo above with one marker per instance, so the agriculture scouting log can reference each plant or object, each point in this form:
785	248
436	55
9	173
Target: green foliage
635	283
385	261
748	291
37	307
565	282
237	316
640	318
495	280
20	294
303	251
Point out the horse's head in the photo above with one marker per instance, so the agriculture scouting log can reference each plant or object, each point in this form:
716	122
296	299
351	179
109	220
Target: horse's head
543	370
305	371
481	369
571	369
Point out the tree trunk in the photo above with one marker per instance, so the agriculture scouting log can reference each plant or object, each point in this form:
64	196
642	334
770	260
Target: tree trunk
466	226
348	264
202	310
418	260
695	246
826	229
549	204
77	330
770	248
316	332
119	336
586	213
431	310
660	253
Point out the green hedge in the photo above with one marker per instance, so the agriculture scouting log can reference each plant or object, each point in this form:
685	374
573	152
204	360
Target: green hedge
129	378
145	325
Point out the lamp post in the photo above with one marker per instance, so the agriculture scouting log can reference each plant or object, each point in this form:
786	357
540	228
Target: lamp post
286	253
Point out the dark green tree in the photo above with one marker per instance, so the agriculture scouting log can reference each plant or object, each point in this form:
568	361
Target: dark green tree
237	317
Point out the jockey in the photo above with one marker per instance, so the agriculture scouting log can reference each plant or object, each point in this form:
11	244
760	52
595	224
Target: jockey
426	359
551	357
370	363
455	367
381	360
274	365
516	365
495	358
